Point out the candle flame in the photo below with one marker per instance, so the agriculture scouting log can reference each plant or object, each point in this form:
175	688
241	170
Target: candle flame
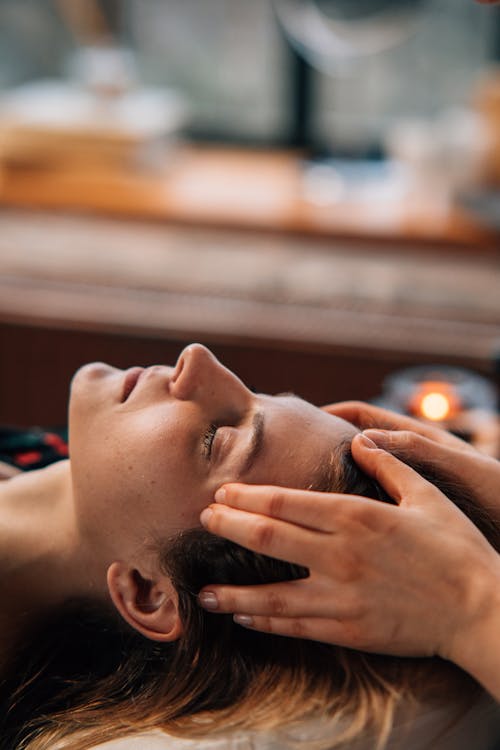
435	406
435	400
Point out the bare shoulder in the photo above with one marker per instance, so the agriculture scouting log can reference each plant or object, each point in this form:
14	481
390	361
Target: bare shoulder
7	471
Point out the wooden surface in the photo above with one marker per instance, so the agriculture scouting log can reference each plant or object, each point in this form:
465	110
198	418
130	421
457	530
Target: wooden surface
258	190
155	281
223	246
327	319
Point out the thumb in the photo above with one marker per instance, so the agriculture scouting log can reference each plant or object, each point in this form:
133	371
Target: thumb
471	470
400	481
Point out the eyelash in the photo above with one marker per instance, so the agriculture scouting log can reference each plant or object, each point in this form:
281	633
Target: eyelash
208	439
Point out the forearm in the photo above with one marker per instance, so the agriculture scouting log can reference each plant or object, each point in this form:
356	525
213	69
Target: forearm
477	650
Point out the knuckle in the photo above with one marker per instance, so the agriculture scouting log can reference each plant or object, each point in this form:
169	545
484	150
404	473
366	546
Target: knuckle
228	602
297	628
383	465
263	535
358	517
264	623
213	520
276	503
355	513
403	440
276	605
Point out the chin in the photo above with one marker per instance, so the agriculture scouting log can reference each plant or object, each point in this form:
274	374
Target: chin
87	390
94	370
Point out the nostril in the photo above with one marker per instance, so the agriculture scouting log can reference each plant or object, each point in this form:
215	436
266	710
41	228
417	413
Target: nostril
178	368
192	371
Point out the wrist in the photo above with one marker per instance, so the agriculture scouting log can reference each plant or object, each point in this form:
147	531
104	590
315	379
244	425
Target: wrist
475	647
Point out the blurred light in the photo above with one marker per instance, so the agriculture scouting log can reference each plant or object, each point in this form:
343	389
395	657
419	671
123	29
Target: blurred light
435	400
435	406
458	400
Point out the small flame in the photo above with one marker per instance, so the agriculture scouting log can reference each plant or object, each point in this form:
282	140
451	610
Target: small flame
436	401
435	406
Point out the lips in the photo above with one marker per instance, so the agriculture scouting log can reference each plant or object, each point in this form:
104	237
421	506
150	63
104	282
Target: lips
130	381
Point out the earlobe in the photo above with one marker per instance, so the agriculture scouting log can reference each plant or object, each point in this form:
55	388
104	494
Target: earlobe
150	606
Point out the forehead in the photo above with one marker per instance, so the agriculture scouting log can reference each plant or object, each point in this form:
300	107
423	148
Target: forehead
299	439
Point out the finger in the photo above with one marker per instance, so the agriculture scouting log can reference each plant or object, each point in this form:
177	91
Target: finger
311	510
326	630
366	416
400	481
474	472
268	536
302	598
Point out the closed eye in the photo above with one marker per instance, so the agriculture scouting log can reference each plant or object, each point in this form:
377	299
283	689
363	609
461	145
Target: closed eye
208	439
254	445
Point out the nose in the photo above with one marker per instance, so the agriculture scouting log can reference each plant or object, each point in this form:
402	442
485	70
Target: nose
199	376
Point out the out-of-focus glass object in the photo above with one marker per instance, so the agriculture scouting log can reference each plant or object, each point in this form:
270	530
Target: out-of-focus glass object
52	123
429	159
453	398
332	34
435	69
99	115
229	59
227	56
443	156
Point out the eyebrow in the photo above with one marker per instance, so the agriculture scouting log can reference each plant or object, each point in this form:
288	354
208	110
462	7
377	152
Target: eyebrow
256	441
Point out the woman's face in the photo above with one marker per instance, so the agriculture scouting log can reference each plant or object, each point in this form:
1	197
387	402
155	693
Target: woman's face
149	447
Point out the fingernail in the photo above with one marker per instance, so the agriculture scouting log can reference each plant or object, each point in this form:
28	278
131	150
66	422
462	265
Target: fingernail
366	442
244	620
208	600
377	438
205	516
220	495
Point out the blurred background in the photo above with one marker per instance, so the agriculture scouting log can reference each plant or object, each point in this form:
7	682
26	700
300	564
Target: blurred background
309	187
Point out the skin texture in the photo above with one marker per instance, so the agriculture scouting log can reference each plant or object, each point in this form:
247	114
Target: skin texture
139	466
7	471
383	578
140	471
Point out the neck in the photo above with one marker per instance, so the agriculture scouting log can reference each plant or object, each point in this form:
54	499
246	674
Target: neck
42	559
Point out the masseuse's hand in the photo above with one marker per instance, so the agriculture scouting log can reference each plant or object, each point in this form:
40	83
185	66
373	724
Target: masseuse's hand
430	448
366	416
413	579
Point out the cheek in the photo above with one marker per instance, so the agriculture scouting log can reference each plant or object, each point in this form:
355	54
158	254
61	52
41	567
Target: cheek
133	475
153	482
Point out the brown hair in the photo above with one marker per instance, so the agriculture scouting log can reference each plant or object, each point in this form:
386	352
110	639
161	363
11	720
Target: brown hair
82	676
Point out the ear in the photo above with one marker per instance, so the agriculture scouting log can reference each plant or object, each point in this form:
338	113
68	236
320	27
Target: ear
150	606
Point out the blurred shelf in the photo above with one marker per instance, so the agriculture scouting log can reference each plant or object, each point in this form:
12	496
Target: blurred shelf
328	320
144	279
237	189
